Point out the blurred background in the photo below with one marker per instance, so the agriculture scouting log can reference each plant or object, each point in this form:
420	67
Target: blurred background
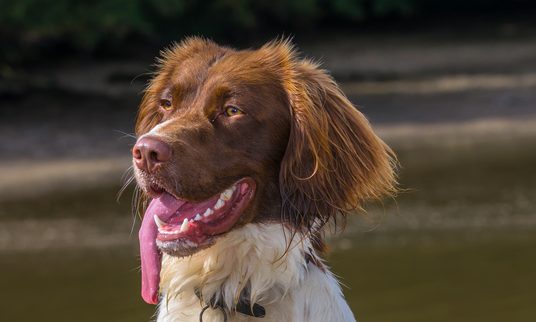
450	85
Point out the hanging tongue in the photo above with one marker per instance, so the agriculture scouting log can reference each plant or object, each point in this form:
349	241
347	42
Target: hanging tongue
164	207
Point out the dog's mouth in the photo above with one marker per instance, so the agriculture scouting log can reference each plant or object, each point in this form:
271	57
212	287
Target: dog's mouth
192	224
181	228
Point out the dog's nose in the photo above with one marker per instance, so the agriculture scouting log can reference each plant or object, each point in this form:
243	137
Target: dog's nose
150	152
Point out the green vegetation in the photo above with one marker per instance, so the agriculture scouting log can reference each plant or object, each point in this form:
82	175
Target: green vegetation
87	26
88	22
49	27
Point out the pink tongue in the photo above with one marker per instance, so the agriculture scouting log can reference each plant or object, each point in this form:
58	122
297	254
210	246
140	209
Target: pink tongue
164	207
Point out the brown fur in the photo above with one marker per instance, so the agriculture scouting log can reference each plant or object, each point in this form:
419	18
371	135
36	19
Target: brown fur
312	154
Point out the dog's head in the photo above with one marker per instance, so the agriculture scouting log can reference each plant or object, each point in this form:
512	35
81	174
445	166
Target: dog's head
232	137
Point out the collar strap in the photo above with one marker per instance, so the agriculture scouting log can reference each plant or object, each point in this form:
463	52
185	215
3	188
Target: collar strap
243	306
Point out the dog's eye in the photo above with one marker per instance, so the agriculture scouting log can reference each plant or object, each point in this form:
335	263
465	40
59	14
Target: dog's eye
166	104
232	111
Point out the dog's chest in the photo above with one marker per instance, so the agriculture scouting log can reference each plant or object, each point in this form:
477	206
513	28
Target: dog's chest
257	258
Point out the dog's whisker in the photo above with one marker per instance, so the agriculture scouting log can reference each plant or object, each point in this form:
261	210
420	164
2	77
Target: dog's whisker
140	75
127	173
135	207
127	135
124	187
127	178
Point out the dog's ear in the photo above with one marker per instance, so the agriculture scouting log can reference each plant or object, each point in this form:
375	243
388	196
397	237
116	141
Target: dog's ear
333	161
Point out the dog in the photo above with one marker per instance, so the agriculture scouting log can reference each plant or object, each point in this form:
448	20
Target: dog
245	157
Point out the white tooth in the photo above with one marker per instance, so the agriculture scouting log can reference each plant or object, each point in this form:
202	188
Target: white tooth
184	225
197	217
208	212
219	204
158	221
226	195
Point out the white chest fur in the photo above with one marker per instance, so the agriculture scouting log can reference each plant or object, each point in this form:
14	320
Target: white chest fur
284	283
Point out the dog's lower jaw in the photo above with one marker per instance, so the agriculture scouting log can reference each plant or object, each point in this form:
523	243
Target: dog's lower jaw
287	285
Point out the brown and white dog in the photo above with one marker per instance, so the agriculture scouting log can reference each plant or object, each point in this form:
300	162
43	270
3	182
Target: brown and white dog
246	155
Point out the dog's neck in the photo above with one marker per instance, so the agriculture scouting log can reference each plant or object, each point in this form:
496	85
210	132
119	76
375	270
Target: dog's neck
262	261
259	264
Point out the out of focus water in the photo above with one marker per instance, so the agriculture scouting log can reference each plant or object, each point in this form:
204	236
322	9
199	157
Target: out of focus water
457	245
442	277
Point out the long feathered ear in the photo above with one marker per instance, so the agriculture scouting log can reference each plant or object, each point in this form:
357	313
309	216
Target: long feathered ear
334	161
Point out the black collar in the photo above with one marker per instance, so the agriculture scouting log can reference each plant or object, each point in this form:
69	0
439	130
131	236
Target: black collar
243	306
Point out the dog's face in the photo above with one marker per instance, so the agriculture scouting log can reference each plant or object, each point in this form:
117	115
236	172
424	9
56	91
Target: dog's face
221	127
232	137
